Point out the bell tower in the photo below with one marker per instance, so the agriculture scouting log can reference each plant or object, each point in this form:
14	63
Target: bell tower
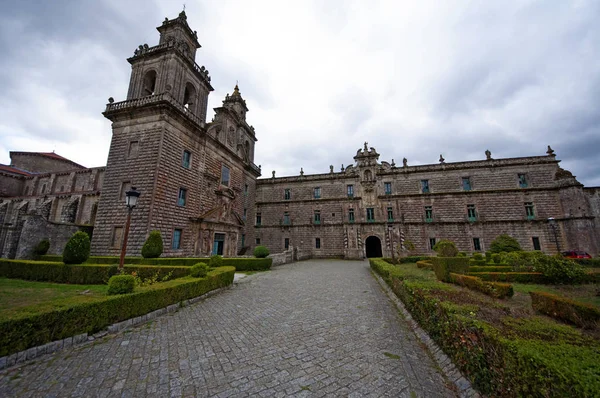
170	68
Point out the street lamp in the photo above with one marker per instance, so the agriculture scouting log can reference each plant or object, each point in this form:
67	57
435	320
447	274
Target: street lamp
554	227
391	237
131	198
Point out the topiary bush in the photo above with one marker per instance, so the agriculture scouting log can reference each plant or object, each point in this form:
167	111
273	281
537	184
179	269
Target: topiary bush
42	247
215	261
445	248
77	249
153	247
478	256
504	243
199	270
558	270
121	284
261	252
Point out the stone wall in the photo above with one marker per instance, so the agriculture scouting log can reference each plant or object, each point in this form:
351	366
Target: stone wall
36	228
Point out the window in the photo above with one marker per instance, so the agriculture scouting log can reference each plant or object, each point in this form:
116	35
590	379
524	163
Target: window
466	183
225	176
243	239
536	243
117	238
317	243
428	214
522	181
287	194
286	243
529	210
219	244
317	217
176	244
370	214
245	214
351	215
134	147
476	244
258	219
387	188
125	186
246	190
390	213
431	243
424	186
471	213
181	198
286	218
350	191
317	192
186	161
257	241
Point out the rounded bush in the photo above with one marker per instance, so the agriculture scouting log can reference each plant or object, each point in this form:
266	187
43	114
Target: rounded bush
504	243
261	252
121	284
153	247
478	256
215	261
199	270
77	249
42	247
559	270
445	248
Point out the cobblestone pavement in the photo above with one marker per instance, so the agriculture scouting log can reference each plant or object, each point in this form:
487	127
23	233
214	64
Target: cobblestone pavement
314	328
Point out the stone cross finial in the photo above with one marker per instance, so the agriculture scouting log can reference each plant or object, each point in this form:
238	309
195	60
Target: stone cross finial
301	171
366	143
488	154
404	162
331	168
273	173
393	163
442	160
342	166
550	151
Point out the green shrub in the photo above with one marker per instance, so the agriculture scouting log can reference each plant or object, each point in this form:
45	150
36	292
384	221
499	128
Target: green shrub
121	284
564	309
478	257
411	259
496	259
249	264
490	268
445	248
488	257
153	247
462	254
22	333
42	247
215	261
558	270
588	262
443	266
478	263
425	264
504	243
261	252
199	270
518	277
77	249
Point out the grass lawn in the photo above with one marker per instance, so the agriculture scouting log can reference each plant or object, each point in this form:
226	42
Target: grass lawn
20	298
583	293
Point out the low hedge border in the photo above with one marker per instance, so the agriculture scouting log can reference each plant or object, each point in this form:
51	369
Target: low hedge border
443	266
493	289
518	277
491	268
425	264
31	331
240	263
592	276
80	274
497	366
564	309
588	262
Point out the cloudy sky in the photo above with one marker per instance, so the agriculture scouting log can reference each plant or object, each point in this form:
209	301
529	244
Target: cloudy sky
413	78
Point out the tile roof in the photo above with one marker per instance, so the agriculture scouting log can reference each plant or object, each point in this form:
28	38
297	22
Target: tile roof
14	170
49	155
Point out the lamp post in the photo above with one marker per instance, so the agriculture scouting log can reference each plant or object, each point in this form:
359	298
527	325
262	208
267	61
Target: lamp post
554	227
390	234
131	198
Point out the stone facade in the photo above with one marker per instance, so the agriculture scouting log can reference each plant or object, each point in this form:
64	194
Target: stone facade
369	207
196	179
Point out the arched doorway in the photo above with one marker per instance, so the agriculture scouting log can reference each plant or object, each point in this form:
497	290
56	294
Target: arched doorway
373	247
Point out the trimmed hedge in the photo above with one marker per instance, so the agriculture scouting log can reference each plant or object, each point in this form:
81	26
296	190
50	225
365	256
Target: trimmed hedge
121	284
412	259
240	263
491	268
80	274
519	277
443	266
497	365
588	262
23	333
592	276
425	264
477	263
493	289
564	309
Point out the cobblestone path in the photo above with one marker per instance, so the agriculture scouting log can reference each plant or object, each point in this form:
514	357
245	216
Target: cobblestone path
314	328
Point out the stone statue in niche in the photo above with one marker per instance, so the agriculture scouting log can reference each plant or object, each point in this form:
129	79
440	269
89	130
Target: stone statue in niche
231	136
